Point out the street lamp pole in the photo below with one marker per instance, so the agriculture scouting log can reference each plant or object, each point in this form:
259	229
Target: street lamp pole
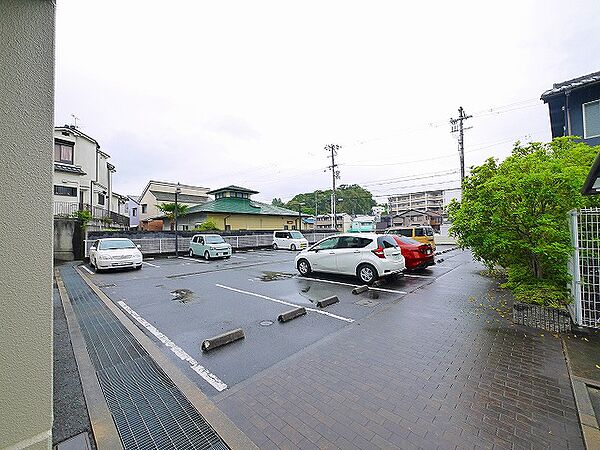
177	192
300	204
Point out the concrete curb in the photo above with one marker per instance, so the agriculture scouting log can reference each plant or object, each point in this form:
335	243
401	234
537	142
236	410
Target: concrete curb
103	426
291	314
587	417
224	427
222	339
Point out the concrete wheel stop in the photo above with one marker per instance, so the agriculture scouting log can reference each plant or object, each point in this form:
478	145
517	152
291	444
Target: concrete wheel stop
360	289
291	314
328	301
222	339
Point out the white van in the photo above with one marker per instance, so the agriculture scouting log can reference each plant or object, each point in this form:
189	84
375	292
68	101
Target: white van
291	239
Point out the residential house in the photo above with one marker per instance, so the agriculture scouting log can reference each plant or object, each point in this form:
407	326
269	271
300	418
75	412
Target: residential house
363	224
83	177
309	223
385	221
417	217
158	192
574	107
234	209
325	222
435	201
133	205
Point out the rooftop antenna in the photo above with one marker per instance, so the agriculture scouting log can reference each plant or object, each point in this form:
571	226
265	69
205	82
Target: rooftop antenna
75	119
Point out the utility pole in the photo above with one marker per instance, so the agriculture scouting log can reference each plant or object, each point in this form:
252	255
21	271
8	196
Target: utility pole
335	174
457	127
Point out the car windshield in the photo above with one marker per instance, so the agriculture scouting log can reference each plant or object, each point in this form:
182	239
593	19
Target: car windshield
115	244
402	232
296	235
214	240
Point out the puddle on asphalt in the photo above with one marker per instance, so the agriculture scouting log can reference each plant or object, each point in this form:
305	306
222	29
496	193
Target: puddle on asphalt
275	276
182	295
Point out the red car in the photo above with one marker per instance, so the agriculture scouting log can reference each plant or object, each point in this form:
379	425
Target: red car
416	254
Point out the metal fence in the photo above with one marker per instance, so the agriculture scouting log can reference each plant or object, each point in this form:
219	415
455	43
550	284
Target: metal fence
68	209
167	245
584	266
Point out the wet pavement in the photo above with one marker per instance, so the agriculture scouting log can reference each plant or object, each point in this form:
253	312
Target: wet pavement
427	361
442	368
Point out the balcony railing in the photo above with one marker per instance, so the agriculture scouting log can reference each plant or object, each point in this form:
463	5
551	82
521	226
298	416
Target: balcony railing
68	209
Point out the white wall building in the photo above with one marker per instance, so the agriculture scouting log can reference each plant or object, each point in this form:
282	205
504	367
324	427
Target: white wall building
157	192
133	206
83	177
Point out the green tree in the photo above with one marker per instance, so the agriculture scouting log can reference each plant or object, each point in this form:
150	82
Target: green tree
209	225
515	214
352	199
168	209
277	202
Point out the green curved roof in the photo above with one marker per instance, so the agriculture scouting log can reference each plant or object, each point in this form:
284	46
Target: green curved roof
235	205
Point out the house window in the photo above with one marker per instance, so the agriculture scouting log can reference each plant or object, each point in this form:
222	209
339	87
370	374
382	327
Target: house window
591	119
185	227
219	195
133	212
63	152
144	208
101	198
66	191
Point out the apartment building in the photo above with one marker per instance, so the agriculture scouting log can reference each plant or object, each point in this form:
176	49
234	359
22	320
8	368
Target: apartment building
435	201
325	222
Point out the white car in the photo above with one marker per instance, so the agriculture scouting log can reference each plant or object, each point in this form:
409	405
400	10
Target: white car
112	253
368	256
292	239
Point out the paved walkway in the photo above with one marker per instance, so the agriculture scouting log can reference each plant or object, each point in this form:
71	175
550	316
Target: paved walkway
441	368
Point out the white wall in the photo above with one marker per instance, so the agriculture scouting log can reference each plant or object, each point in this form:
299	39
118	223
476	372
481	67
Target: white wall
26	123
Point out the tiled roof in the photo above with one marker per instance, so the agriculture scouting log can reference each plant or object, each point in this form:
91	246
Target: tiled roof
413	211
232	187
234	205
572	84
184	198
67	168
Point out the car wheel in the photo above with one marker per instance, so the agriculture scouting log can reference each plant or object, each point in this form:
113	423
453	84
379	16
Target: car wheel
293	247
206	255
92	263
139	267
191	253
366	273
275	246
304	267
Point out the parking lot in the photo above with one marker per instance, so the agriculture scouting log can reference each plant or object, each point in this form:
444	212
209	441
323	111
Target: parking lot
179	302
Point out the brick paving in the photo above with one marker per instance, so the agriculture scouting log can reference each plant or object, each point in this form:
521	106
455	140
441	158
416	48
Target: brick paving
440	368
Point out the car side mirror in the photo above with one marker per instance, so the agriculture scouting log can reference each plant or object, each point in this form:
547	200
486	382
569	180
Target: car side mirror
139	246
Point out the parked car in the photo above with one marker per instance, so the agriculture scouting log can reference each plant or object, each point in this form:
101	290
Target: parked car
209	246
416	254
365	255
421	233
292	240
112	253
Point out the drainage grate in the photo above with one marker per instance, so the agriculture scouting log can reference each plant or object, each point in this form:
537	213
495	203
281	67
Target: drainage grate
148	409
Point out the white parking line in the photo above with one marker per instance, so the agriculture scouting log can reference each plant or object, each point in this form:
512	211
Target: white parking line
193	259
349	284
325	313
239	257
150	264
210	378
410	275
87	269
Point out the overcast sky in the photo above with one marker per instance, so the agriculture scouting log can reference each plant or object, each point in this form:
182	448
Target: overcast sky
249	92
